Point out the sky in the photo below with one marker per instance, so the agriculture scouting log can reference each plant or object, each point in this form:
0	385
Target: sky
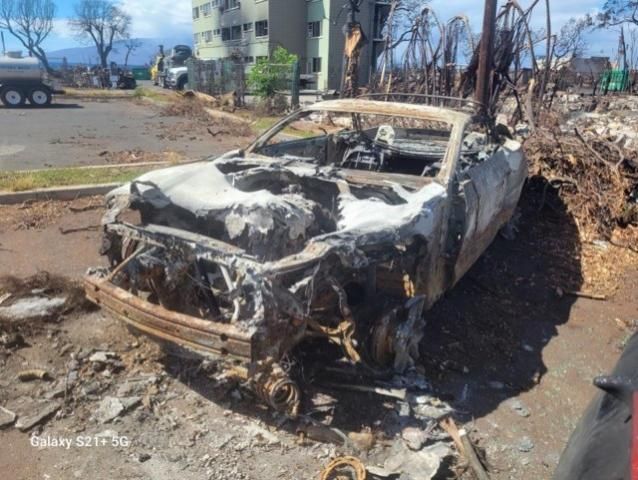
151	19
172	19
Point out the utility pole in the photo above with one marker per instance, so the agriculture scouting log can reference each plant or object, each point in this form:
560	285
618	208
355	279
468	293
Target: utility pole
486	56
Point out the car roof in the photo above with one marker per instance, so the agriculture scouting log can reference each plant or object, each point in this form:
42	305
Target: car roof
374	107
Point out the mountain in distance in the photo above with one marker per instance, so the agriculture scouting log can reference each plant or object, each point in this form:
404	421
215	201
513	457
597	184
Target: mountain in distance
141	56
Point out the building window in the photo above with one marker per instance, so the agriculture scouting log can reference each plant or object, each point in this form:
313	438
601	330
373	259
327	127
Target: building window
249	59
261	59
217	32
196	38
314	29
207	36
206	9
261	28
231	33
315	66
230	4
248	27
195	13
215	3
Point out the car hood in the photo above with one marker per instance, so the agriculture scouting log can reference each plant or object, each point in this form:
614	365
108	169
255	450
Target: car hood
273	209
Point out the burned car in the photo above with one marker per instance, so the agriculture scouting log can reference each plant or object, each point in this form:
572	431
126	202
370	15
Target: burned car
343	223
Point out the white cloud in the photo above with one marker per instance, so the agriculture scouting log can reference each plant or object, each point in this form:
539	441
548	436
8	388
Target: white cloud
62	30
159	18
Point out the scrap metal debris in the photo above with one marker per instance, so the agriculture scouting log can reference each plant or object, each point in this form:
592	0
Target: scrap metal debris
344	468
41	412
34	374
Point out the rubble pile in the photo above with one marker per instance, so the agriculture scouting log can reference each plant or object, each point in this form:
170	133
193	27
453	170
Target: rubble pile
121	391
200	107
592	160
186	107
115	388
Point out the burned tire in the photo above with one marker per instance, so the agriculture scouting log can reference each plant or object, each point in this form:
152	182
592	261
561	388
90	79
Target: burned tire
40	97
12	97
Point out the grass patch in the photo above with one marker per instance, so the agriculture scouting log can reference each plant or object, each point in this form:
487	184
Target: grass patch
261	124
143	92
264	123
61	177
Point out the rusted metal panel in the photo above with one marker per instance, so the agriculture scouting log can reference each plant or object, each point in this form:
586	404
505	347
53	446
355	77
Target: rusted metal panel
163	236
205	336
372	107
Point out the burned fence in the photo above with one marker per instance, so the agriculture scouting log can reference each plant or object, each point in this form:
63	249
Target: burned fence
217	77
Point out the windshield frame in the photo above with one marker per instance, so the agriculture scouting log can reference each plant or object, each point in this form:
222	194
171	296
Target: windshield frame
457	121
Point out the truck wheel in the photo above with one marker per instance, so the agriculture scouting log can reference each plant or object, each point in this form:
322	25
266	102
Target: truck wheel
39	97
182	82
12	97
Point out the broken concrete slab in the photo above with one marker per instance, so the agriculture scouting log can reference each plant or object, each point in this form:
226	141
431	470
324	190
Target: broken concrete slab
111	407
32	307
103	357
7	417
261	436
40	413
137	385
57	391
410	465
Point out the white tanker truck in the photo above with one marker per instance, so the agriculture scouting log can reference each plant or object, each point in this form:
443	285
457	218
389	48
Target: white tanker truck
23	79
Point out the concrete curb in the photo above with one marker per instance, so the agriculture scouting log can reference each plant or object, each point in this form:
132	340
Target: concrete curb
57	193
94	167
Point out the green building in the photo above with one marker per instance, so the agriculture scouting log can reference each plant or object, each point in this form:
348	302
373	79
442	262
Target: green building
311	29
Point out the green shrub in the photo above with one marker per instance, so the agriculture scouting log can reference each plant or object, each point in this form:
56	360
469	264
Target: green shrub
265	78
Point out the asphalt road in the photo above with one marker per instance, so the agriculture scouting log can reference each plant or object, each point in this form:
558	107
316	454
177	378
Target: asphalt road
79	132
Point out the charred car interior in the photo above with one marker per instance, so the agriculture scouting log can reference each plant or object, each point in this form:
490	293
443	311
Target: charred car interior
338	240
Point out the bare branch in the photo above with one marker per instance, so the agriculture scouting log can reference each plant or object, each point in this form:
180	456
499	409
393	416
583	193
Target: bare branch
102	22
31	22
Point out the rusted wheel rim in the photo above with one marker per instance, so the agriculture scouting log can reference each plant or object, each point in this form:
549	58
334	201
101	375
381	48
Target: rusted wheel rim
344	468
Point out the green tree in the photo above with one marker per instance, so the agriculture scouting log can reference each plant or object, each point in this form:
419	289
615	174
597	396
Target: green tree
265	78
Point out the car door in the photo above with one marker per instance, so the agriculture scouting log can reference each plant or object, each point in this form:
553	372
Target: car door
490	192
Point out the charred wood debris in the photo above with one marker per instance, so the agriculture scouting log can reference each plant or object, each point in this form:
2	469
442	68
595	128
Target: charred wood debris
583	146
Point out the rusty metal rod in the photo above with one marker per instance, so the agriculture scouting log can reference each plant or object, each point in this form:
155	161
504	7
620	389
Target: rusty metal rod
486	54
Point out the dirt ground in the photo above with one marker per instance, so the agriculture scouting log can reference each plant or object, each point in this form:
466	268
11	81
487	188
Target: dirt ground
99	131
511	347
